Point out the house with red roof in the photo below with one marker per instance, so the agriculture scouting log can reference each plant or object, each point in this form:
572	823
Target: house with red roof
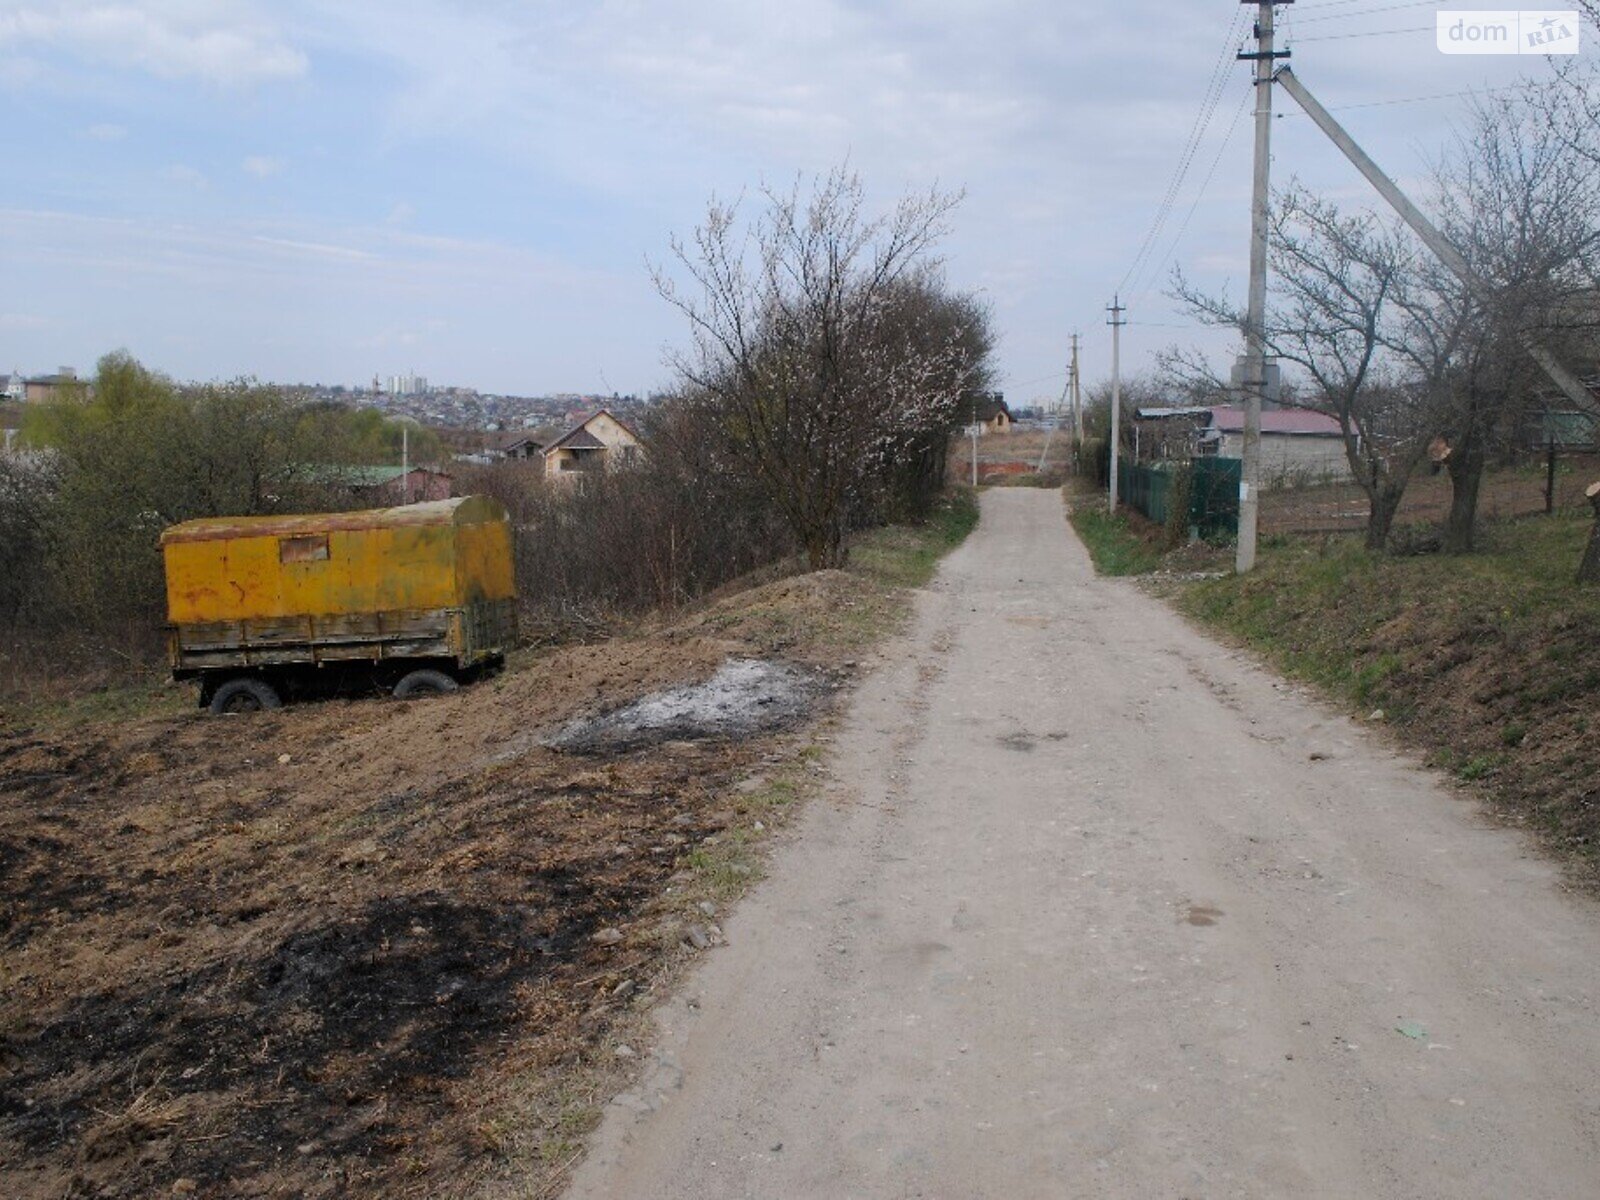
1297	445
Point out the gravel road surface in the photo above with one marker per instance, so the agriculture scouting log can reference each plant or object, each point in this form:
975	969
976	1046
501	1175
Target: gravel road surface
1099	908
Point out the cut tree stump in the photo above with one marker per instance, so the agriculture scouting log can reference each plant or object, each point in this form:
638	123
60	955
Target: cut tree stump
1589	570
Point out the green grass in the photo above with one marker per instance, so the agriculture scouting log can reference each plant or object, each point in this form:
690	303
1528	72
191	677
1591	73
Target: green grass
125	700
908	555
1327	609
1114	547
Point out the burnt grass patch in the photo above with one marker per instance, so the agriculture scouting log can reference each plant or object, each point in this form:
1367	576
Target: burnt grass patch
309	1042
265	989
36	886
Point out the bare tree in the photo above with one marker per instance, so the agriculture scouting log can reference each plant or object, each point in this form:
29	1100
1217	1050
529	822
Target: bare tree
1136	392
807	366
1332	314
1568	101
1522	205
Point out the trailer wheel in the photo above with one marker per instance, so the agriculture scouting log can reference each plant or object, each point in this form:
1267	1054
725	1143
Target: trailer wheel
424	683
244	695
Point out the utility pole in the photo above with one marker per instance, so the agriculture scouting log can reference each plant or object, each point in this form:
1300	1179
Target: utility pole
1049	437
1255	350
1077	407
405	463
1055	415
1116	322
972	431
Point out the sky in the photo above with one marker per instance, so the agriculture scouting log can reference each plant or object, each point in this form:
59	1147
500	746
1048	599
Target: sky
476	190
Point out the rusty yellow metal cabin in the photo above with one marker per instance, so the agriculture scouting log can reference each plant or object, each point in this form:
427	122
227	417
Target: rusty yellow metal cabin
424	585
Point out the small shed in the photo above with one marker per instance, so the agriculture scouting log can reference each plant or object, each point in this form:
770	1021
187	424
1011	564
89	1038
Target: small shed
1172	432
521	445
991	415
1296	443
385	484
1564	429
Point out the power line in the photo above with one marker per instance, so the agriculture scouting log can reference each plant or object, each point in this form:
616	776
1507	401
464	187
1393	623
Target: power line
1335	37
1202	121
1012	383
1366	12
1319	5
1137	273
1409	100
1197	130
1211	171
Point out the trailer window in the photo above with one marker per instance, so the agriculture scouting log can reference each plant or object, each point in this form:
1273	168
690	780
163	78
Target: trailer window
313	548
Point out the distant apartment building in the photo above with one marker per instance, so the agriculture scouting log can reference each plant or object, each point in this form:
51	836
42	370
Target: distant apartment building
407	385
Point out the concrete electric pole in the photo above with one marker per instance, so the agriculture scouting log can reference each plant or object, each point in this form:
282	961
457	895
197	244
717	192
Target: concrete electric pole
1255	364
1077	406
1116	322
972	432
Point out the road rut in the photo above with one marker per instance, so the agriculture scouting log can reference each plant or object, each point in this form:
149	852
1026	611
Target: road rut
1097	907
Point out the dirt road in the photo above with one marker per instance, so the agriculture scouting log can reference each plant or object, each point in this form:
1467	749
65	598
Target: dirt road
1100	909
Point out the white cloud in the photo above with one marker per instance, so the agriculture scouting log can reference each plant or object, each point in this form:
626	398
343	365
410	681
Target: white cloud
182	173
315	250
262	166
27	322
106	131
220	42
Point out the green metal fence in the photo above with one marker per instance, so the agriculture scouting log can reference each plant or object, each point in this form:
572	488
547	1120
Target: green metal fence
1213	493
1146	488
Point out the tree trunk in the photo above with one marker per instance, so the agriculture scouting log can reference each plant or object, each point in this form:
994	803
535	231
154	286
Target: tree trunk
1589	569
825	546
1465	465
1384	502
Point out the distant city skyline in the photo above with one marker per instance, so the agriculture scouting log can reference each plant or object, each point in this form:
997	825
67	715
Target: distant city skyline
474	190
396	384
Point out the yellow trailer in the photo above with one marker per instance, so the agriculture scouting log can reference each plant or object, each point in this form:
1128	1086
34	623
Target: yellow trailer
414	599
